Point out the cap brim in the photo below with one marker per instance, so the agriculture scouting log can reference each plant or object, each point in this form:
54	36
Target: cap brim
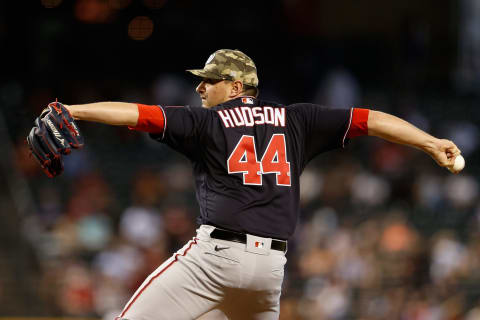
204	74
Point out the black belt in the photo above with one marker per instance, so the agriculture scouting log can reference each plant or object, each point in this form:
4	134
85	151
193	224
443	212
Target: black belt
222	234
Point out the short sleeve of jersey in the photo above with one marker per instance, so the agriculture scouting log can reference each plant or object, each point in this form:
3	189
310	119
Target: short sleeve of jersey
324	128
183	128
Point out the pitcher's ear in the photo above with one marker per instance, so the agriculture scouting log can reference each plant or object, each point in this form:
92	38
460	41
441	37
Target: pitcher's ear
237	88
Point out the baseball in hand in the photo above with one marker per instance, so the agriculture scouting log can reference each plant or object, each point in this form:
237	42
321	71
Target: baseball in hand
459	164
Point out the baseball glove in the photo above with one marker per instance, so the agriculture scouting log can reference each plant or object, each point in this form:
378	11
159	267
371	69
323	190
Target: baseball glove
54	134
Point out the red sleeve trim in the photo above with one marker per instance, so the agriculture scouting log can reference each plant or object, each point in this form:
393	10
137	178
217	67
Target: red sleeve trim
150	119
359	123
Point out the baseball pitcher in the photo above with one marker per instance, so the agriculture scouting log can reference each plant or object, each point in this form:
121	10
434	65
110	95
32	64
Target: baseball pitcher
247	156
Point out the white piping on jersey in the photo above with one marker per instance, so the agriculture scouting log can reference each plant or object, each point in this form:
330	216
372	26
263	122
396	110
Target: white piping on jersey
164	121
248	116
348	128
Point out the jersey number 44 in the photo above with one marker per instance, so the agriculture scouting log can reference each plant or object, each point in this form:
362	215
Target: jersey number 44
243	159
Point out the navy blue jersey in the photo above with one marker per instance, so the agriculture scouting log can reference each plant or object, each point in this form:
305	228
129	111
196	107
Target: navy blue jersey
247	157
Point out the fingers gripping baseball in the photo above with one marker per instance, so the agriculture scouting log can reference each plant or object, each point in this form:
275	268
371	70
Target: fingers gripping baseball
447	155
54	134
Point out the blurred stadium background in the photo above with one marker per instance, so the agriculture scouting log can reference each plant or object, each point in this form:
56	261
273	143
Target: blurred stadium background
384	233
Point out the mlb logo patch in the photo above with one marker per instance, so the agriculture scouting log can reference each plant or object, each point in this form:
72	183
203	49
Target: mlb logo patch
247	100
259	244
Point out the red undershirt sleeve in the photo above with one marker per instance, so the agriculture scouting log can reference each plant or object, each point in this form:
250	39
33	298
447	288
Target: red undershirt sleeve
359	124
150	119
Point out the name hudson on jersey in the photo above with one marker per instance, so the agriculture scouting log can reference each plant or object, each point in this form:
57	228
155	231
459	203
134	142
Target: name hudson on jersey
247	116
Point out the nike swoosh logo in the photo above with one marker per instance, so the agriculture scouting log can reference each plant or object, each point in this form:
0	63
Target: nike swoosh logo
217	248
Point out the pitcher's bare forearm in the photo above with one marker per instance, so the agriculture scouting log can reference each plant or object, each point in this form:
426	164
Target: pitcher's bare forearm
396	130
113	113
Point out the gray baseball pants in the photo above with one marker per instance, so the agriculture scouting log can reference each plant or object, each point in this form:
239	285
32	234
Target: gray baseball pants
241	281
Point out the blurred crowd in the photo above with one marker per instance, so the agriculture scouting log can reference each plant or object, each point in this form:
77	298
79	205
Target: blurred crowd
384	233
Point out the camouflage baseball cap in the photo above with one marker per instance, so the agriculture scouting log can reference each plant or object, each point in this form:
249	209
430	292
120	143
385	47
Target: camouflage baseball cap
231	65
